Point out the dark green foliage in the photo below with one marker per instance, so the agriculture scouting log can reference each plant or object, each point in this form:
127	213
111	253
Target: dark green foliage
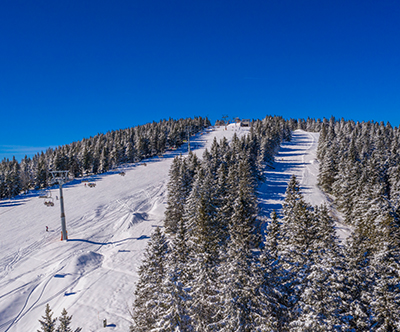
364	159
147	309
65	322
48	324
358	282
41	173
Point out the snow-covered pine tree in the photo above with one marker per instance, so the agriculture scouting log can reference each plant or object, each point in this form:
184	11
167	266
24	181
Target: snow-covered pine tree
129	152
86	158
104	164
48	324
272	309
357	283
296	243
41	173
65	322
272	236
147	310
175	203
327	154
385	265
179	186
25	174
174	298
175	314
15	186
320	300
203	241
223	205
240	280
346	185
214	157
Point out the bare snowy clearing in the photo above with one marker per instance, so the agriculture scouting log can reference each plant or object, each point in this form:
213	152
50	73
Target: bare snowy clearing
93	275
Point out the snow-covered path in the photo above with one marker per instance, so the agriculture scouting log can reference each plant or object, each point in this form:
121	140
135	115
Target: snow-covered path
298	157
93	275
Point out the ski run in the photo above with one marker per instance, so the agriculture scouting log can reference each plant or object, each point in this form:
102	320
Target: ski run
93	275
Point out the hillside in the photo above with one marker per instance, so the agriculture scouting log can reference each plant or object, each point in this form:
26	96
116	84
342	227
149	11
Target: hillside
93	275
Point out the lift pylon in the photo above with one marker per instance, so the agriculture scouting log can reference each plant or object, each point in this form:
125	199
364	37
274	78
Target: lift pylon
60	178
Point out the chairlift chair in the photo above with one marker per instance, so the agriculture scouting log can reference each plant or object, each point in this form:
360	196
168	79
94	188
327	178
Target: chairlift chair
47	195
49	202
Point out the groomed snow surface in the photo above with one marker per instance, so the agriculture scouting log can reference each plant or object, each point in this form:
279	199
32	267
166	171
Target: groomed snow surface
93	274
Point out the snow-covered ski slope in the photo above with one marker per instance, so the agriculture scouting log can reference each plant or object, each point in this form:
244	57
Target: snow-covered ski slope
93	275
298	157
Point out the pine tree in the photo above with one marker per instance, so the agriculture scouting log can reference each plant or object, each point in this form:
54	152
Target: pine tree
41	173
241	279
174	315
25	174
104	163
203	242
48	324
296	244
320	301
65	322
385	265
146	311
87	158
179	186
272	309
222	204
273	236
358	282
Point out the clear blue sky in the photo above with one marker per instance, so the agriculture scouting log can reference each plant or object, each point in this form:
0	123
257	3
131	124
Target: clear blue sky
71	69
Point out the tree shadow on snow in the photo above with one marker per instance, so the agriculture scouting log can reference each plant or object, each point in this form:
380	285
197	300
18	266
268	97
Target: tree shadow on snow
110	242
12	203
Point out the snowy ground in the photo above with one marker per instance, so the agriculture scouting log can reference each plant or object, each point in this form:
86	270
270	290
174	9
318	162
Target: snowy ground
93	275
298	157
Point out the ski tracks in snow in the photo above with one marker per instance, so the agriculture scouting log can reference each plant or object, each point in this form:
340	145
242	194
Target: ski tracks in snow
43	271
297	157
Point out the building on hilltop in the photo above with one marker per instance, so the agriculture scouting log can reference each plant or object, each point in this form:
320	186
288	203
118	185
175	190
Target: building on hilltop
245	123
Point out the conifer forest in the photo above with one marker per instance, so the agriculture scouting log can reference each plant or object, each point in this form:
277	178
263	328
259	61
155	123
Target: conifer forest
219	263
212	269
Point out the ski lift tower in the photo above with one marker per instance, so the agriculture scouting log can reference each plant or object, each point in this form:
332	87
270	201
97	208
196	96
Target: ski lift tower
188	137
61	177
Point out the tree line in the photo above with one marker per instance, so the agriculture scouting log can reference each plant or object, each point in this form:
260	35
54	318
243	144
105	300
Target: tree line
97	154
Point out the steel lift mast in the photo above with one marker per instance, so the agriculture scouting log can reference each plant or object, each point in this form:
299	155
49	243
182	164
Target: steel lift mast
61	177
